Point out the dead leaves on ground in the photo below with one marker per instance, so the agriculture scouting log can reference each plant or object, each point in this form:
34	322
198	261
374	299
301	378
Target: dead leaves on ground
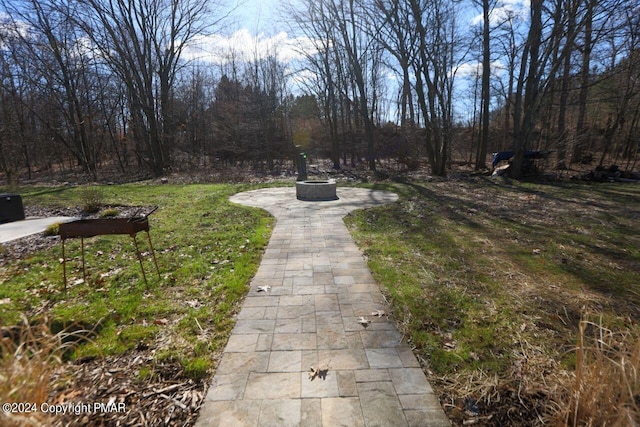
163	397
364	322
318	372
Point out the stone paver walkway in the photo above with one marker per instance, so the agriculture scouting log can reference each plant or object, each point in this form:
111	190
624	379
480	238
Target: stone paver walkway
320	286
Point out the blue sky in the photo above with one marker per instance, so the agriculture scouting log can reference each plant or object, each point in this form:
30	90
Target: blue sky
253	27
258	15
256	28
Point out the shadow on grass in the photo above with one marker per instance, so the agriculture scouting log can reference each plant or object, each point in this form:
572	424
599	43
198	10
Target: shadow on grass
606	209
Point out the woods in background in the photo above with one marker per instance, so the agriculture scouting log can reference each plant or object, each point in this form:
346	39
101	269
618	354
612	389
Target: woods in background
100	85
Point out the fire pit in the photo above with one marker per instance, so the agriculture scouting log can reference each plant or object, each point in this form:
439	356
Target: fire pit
99	227
316	190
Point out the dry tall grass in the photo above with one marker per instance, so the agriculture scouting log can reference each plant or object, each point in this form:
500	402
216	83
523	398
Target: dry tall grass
605	390
28	356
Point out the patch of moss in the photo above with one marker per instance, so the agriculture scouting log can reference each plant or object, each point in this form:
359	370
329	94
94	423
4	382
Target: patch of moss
108	213
52	230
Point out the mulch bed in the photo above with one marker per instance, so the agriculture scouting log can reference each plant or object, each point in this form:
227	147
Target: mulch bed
115	395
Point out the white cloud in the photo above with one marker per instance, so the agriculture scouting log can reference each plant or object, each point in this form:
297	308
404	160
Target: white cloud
13	27
244	46
518	9
469	69
474	69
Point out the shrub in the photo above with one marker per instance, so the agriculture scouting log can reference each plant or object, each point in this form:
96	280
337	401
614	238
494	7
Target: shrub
92	199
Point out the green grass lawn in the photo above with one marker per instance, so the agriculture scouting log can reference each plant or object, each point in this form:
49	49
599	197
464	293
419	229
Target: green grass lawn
207	251
489	280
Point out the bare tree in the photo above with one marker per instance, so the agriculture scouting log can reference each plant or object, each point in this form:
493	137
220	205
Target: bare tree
347	58
142	42
359	48
310	17
486	84
400	41
622	90
435	23
585	75
543	54
54	46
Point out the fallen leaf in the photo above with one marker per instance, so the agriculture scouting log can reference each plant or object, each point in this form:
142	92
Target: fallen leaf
111	273
364	322
320	372
161	322
193	303
264	288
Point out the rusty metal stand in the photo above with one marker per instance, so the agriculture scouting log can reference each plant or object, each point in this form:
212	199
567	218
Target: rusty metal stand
96	227
153	254
139	255
64	267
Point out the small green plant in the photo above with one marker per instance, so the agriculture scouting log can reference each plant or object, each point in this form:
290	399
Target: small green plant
52	230
92	199
146	374
196	368
109	213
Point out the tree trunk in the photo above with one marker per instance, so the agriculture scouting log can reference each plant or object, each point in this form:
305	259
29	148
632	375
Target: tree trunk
486	95
584	83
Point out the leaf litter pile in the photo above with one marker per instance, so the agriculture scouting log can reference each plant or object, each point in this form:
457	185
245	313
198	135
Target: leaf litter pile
166	398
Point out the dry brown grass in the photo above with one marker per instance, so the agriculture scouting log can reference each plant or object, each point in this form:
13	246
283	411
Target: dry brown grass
29	354
605	390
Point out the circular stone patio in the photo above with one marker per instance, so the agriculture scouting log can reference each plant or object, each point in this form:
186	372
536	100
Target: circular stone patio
281	201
